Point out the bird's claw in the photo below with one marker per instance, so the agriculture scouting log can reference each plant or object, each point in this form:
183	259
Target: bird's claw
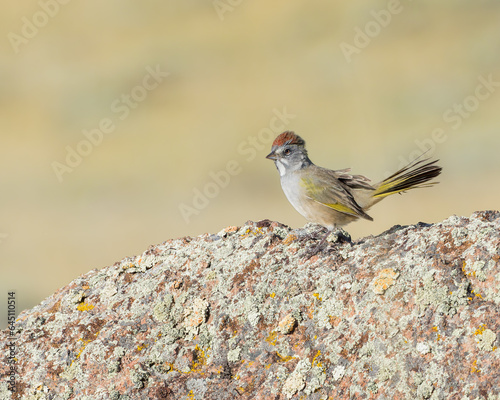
340	236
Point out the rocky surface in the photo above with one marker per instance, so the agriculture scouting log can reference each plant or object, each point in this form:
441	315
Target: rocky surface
244	314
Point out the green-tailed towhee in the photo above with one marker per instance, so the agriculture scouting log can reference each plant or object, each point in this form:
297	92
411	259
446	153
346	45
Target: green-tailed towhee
335	198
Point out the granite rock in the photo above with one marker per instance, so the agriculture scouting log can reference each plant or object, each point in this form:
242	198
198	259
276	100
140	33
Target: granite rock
246	313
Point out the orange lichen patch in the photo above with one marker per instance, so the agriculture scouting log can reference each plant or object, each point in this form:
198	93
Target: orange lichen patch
51	310
195	320
289	239
287	324
386	278
177	284
231	229
197	313
129	265
84	306
310	312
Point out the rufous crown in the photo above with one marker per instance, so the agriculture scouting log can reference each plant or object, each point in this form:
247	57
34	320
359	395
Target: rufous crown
288	137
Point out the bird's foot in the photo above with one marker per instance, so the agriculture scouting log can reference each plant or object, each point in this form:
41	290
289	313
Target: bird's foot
340	236
335	236
313	250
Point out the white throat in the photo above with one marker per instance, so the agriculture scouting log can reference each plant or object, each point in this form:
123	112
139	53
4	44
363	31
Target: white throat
281	165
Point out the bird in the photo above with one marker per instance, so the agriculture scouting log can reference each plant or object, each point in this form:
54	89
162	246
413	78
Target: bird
335	198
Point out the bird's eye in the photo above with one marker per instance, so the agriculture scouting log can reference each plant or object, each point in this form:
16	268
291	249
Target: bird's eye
287	152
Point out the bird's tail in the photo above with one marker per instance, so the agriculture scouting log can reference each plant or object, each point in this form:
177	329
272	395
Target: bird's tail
415	175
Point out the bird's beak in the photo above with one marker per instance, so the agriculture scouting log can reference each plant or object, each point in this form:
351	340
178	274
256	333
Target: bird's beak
271	156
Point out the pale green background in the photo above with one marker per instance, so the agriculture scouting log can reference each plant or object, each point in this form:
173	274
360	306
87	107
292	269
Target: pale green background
226	75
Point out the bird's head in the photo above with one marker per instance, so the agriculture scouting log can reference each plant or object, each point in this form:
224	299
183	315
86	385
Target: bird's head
288	153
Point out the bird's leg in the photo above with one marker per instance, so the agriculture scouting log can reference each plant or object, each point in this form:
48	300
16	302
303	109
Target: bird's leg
316	248
323	239
342	236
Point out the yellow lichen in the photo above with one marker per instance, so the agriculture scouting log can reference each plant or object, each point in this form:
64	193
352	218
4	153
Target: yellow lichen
435	329
201	359
473	273
289	239
84	306
474	368
256	231
315	361
198	364
283	358
480	330
272	338
85	343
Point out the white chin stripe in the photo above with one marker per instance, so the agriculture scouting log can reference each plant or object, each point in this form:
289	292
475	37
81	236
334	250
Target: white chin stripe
281	168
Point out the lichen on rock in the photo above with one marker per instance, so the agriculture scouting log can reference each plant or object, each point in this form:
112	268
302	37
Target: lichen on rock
247	313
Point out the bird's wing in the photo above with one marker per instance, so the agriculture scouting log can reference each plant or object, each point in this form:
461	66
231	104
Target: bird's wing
353	181
324	187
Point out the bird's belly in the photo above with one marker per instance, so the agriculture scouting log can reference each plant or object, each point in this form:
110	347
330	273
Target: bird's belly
312	210
308	208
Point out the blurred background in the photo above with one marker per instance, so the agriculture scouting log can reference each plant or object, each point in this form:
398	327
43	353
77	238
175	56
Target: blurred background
126	123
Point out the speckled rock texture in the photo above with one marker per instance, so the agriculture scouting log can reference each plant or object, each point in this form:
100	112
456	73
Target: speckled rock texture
244	314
